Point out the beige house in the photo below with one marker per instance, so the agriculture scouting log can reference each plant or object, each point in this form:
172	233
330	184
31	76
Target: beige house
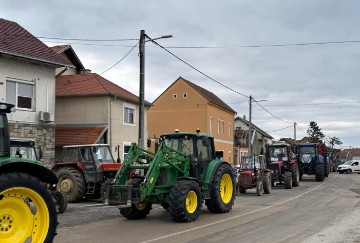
187	106
91	109
27	80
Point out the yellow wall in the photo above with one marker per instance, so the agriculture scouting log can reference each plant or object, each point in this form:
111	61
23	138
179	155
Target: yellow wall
186	114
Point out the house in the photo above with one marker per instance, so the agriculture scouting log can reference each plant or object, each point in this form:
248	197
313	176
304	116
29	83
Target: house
261	138
187	106
27	80
350	154
91	109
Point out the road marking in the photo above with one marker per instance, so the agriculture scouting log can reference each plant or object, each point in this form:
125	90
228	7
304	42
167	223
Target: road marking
97	205
235	217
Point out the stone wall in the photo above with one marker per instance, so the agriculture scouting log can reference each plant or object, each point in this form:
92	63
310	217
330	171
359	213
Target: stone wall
44	136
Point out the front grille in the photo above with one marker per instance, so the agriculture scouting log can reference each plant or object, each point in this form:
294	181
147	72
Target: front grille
245	179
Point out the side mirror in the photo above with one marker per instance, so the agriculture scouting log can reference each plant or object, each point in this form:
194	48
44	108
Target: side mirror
148	142
40	153
219	154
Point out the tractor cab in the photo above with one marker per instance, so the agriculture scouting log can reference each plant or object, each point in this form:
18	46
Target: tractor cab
23	148
199	147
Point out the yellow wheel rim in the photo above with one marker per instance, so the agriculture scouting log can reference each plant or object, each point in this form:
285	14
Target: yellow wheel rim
226	188
24	216
140	205
191	202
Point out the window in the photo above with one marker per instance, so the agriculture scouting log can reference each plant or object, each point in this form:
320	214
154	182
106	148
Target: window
126	149
222	126
184	95
229	129
174	96
211	124
20	94
129	115
219	126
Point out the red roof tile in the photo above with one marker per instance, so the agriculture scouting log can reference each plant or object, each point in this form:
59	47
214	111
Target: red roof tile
77	135
88	84
16	41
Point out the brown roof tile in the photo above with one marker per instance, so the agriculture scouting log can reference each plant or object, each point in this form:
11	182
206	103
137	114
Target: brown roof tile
16	41
209	96
91	84
77	135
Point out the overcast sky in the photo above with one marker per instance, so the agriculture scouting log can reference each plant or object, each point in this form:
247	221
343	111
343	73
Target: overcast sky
300	83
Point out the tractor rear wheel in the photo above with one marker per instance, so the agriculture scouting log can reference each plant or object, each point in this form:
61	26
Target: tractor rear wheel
137	210
319	172
185	201
267	183
295	175
288	180
222	194
72	183
27	209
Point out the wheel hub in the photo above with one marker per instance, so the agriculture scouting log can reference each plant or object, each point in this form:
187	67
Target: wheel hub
6	223
66	185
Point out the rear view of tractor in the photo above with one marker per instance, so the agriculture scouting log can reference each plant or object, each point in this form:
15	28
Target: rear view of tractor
85	171
253	174
179	176
27	207
284	169
313	160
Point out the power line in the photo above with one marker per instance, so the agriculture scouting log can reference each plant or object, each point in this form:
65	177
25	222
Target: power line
80	39
197	69
320	103
271	113
282	129
301	129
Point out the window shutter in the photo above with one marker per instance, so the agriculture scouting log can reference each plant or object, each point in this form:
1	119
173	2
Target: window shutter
11	92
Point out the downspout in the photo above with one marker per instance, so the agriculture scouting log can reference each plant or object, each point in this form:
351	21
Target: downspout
110	118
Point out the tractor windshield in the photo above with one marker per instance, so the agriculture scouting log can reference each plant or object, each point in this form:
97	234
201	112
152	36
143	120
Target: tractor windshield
306	154
249	163
278	153
23	152
102	154
183	145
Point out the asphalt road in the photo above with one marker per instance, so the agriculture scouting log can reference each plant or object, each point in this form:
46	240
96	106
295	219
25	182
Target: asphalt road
326	211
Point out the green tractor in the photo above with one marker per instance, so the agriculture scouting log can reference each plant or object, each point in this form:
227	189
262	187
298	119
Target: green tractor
28	210
183	173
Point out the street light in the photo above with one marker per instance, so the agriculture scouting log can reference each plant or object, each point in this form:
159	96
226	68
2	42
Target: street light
142	81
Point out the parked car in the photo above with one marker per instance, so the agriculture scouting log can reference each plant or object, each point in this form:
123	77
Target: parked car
349	166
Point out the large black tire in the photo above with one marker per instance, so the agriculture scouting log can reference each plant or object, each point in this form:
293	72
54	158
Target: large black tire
72	183
61	201
288	182
222	193
327	170
137	210
267	183
25	202
259	188
185	201
295	175
319	172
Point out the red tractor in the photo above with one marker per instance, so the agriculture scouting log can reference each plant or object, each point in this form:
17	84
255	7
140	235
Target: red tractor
284	169
253	174
85	170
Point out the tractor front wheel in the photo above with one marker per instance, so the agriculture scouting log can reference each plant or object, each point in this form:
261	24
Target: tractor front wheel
259	188
319	172
267	183
27	209
242	189
61	202
136	211
222	194
185	201
72	183
295	175
288	180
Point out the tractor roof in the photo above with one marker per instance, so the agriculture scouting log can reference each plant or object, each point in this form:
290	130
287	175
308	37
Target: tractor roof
181	134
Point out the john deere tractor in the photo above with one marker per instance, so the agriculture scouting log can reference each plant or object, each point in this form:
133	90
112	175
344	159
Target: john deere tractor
183	173
27	206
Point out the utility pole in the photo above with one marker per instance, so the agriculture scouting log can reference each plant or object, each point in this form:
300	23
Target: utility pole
250	126
295	132
142	88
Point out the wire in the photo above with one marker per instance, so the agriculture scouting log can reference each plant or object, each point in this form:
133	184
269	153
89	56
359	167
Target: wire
282	129
196	68
325	103
301	129
79	39
271	113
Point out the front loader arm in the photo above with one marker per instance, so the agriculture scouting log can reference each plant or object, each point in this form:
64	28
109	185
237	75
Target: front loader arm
164	157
